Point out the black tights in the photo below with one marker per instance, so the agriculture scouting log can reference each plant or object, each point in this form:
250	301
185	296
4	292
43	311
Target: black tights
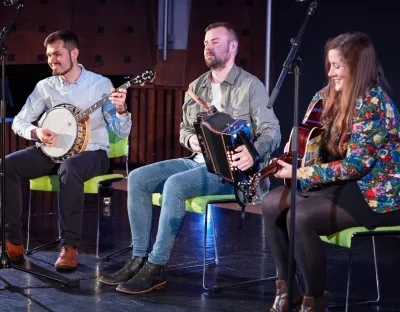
315	215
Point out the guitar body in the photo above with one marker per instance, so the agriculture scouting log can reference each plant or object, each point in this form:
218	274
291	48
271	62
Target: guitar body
310	143
311	139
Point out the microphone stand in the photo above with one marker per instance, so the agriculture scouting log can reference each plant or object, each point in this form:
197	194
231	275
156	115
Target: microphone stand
5	262
295	140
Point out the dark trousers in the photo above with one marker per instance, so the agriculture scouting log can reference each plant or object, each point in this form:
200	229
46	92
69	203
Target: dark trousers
32	163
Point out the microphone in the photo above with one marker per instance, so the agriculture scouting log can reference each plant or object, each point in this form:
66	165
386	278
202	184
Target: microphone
12	2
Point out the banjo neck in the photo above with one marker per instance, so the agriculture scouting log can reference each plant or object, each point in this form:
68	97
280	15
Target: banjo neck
148	75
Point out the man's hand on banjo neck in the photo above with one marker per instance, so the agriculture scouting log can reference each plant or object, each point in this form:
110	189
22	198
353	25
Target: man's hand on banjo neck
118	98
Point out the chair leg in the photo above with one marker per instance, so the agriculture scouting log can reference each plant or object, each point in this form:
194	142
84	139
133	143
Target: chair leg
216	260
206	262
205	249
349	279
33	250
28	237
115	253
378	292
98	222
378	289
216	287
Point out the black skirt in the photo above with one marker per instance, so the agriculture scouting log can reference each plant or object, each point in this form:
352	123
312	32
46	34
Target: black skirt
348	196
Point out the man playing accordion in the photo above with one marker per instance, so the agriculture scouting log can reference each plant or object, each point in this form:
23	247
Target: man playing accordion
230	89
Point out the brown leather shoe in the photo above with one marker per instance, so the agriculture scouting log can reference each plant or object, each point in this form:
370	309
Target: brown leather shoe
281	302
15	252
68	258
311	304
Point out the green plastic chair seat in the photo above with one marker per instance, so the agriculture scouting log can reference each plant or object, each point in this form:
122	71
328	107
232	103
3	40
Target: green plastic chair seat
343	238
51	183
118	148
196	204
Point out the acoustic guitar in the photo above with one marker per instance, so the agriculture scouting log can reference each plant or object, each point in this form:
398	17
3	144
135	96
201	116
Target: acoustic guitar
311	135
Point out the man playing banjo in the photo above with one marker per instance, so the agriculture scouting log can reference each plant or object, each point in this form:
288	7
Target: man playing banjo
71	83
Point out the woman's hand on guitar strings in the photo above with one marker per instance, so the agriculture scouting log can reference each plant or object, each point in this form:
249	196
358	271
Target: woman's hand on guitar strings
118	98
242	158
46	136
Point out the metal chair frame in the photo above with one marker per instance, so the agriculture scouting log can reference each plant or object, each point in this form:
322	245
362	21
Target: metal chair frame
378	291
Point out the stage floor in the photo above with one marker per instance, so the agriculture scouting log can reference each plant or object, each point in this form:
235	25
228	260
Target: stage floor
242	256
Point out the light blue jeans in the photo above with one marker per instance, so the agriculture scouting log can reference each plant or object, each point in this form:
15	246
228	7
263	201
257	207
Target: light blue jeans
178	180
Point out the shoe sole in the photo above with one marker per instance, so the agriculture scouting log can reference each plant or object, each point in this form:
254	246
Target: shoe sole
109	283
158	286
65	269
17	259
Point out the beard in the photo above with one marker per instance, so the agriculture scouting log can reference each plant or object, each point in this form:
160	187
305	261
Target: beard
56	73
218	61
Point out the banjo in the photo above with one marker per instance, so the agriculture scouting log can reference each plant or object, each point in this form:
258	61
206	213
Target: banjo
71	124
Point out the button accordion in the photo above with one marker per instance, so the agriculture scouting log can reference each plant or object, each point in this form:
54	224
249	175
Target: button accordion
219	135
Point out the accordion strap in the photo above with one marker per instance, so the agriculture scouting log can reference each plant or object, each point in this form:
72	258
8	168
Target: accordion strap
199	101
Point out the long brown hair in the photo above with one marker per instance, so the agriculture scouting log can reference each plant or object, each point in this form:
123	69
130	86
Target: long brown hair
359	55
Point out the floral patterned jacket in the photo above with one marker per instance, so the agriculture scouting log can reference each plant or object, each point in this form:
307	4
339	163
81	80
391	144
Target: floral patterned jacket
373	153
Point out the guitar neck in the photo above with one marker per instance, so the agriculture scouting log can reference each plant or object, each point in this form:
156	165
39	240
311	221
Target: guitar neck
99	104
268	170
273	167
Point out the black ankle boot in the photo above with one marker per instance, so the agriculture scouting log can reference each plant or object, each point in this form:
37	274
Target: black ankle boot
125	274
150	276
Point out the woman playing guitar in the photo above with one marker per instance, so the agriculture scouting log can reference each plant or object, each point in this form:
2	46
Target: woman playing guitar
361	189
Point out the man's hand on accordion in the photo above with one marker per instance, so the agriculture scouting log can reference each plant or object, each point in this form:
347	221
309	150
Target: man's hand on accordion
242	158
194	144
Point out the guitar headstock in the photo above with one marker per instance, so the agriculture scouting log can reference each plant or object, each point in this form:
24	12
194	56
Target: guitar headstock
145	77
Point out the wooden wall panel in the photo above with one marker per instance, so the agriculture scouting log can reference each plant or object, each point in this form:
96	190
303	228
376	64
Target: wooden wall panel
169	117
160	134
171	72
142	127
249	17
126	46
151	126
134	137
32	26
156	117
116	42
157	109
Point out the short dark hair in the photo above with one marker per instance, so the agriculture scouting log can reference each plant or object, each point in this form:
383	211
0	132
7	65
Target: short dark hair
70	39
229	28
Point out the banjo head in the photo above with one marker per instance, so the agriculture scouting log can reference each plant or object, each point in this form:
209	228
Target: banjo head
61	121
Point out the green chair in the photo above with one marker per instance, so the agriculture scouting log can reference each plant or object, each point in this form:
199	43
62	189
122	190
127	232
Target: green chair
118	147
345	238
202	205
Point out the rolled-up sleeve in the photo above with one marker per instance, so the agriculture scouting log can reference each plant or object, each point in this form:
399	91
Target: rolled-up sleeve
186	129
120	125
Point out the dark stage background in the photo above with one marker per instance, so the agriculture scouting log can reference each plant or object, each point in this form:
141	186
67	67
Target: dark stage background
380	19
